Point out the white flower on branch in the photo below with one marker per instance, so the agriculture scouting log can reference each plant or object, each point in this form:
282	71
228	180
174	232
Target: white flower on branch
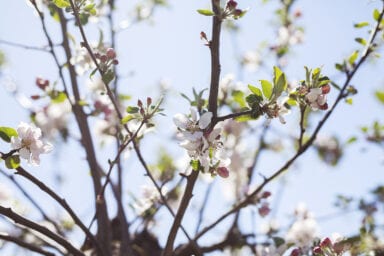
29	143
150	197
304	230
53	119
201	145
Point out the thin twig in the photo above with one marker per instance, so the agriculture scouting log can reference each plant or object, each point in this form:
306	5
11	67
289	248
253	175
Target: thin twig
25	245
41	229
33	201
22	172
27	47
204	204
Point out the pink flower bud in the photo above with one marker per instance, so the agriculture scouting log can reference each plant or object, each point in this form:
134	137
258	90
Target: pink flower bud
324	106
139	103
149	101
103	58
325	89
111	54
266	194
238	12
264	210
317	250
325	243
231	4
115	62
223	172
295	252
42	83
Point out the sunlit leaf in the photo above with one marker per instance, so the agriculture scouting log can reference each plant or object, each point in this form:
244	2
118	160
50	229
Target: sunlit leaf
206	12
380	96
352	58
7	132
267	88
12	162
361	24
255	90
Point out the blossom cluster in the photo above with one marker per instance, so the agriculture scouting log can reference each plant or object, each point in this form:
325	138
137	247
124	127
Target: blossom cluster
29	143
202	143
316	98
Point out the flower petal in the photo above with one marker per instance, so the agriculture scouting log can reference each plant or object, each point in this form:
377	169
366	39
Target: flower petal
205	120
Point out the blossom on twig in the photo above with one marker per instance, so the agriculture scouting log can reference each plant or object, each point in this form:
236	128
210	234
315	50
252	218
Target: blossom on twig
29	143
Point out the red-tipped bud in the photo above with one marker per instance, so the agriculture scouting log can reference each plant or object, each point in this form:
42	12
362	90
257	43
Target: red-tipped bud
297	13
231	4
264	210
42	83
111	54
295	252
203	36
324	107
326	243
97	55
265	194
325	89
338	248
115	62
139	103
35	97
317	250
223	172
238	12
149	101
103	58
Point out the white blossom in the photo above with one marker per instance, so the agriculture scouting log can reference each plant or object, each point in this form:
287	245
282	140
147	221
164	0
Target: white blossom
206	147
304	230
150	196
316	98
29	143
53	118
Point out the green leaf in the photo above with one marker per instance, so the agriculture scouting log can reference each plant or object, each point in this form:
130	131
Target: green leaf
244	118
255	90
349	101
280	86
253	100
108	77
205	12
339	67
267	88
376	14
278	241
62	3
7	132
132	110
238	97
58	97
124	97
361	24
82	103
352	58
12	162
93	73
380	96
351	140
361	41
195	164
126	119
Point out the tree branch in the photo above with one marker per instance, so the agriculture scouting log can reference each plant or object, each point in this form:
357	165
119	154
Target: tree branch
41	229
25	245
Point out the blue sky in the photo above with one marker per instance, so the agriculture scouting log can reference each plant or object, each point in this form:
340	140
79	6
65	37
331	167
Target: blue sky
171	49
